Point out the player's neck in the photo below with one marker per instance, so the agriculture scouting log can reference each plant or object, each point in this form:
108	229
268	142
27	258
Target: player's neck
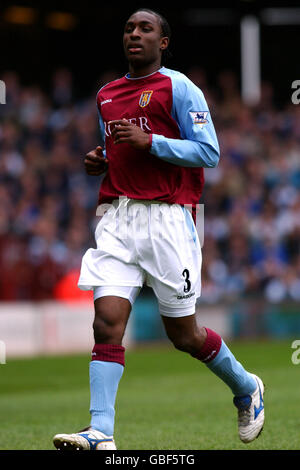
143	71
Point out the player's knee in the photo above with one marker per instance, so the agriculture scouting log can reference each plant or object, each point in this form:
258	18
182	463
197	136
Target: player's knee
182	343
107	331
189	343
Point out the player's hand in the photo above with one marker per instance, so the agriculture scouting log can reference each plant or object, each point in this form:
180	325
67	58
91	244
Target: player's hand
126	132
95	163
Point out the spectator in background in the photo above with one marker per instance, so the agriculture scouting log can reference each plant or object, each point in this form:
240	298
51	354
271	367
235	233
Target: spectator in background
47	204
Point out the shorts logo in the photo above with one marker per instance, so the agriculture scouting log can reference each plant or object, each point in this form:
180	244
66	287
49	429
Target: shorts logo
180	297
199	118
145	98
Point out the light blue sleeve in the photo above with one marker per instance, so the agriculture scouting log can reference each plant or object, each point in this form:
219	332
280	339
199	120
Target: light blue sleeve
102	143
102	132
198	146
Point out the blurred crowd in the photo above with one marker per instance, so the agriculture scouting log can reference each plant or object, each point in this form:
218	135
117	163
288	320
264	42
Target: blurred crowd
48	203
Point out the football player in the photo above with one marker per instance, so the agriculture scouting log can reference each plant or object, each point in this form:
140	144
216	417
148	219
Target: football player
157	137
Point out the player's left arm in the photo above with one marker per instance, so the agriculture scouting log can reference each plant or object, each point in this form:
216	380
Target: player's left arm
198	146
124	131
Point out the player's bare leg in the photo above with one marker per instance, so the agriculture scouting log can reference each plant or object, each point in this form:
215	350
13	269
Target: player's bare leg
106	369
207	346
185	333
111	317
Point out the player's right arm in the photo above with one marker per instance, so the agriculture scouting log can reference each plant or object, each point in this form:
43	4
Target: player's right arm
95	161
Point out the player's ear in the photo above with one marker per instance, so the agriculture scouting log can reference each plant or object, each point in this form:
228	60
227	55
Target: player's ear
164	42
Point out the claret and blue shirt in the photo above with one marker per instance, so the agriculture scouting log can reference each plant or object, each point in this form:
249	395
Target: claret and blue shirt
173	111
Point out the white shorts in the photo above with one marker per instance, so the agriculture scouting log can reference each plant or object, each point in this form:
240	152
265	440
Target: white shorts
145	242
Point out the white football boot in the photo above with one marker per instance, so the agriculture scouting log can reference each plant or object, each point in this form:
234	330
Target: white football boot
251	413
87	439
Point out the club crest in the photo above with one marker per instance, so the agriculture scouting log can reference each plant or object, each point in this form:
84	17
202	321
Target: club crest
145	98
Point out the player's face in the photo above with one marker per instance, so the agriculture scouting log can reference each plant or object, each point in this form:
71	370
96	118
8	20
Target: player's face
142	39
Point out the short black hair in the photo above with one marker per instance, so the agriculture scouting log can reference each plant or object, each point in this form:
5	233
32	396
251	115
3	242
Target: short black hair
165	30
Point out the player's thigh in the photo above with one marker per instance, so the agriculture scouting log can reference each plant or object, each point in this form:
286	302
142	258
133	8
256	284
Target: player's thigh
113	261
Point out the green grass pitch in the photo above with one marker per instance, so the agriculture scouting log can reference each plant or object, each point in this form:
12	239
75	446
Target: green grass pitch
166	400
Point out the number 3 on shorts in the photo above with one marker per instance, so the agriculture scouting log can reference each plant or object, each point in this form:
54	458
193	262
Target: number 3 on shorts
186	275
